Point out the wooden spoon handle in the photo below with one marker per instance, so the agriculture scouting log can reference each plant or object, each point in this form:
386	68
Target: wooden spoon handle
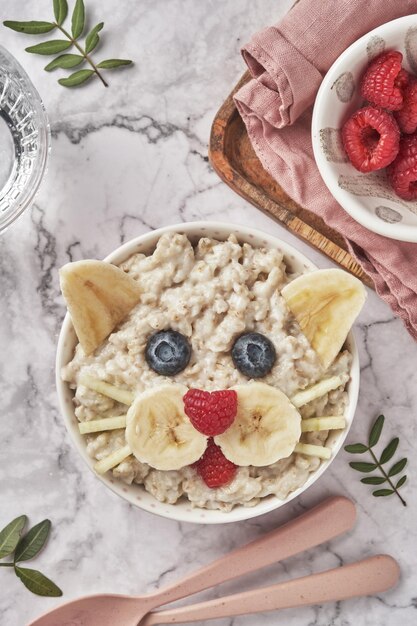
332	517
362	578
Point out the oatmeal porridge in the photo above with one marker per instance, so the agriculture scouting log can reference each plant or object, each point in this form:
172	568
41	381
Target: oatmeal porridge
210	295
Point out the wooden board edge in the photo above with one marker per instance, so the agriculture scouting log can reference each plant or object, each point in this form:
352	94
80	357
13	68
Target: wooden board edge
225	170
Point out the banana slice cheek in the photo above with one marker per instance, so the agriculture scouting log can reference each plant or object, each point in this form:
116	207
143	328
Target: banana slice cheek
266	428
158	431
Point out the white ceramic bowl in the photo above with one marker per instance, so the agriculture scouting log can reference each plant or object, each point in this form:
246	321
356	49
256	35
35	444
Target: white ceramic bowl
135	494
368	198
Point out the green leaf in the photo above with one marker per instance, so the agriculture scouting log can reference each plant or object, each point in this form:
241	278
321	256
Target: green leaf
92	38
32	542
10	535
363	467
30	28
376	430
37	582
50	47
373	480
65	61
78	78
397	467
401	482
60	10
389	451
110	64
78	19
382	492
356	448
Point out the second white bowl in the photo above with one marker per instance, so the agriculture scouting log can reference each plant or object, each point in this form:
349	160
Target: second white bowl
368	198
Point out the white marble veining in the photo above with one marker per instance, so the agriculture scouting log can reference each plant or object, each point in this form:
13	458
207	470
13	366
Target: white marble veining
125	160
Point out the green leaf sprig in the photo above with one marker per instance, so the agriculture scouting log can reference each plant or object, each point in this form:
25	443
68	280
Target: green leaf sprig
387	454
23	548
56	46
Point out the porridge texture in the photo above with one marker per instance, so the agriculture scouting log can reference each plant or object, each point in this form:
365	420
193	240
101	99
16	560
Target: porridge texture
211	293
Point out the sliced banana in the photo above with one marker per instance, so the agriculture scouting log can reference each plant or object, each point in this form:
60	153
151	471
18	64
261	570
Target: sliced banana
325	303
158	431
266	428
99	296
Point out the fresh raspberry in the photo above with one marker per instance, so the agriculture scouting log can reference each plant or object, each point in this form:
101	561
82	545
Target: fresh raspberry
402	80
211	413
407	116
371	139
402	173
214	468
378	84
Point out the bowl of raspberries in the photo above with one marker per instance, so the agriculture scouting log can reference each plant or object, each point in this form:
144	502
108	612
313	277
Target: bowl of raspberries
364	129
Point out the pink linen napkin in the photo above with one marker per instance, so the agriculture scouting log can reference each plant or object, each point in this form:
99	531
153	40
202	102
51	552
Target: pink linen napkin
287	62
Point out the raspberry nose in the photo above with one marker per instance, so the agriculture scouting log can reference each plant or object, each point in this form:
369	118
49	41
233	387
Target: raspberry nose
211	413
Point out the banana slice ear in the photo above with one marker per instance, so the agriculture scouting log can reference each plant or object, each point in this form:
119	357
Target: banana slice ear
98	296
325	303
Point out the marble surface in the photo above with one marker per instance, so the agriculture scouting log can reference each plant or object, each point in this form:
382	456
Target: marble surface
125	160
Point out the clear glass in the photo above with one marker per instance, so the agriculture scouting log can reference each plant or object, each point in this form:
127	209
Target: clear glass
25	140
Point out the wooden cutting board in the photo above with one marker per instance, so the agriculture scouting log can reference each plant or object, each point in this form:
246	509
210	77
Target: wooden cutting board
235	161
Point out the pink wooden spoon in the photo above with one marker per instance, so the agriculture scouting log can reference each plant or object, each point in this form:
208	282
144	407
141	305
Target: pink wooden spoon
332	517
362	578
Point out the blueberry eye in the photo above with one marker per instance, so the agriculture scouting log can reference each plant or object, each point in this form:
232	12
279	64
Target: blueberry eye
168	352
254	355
